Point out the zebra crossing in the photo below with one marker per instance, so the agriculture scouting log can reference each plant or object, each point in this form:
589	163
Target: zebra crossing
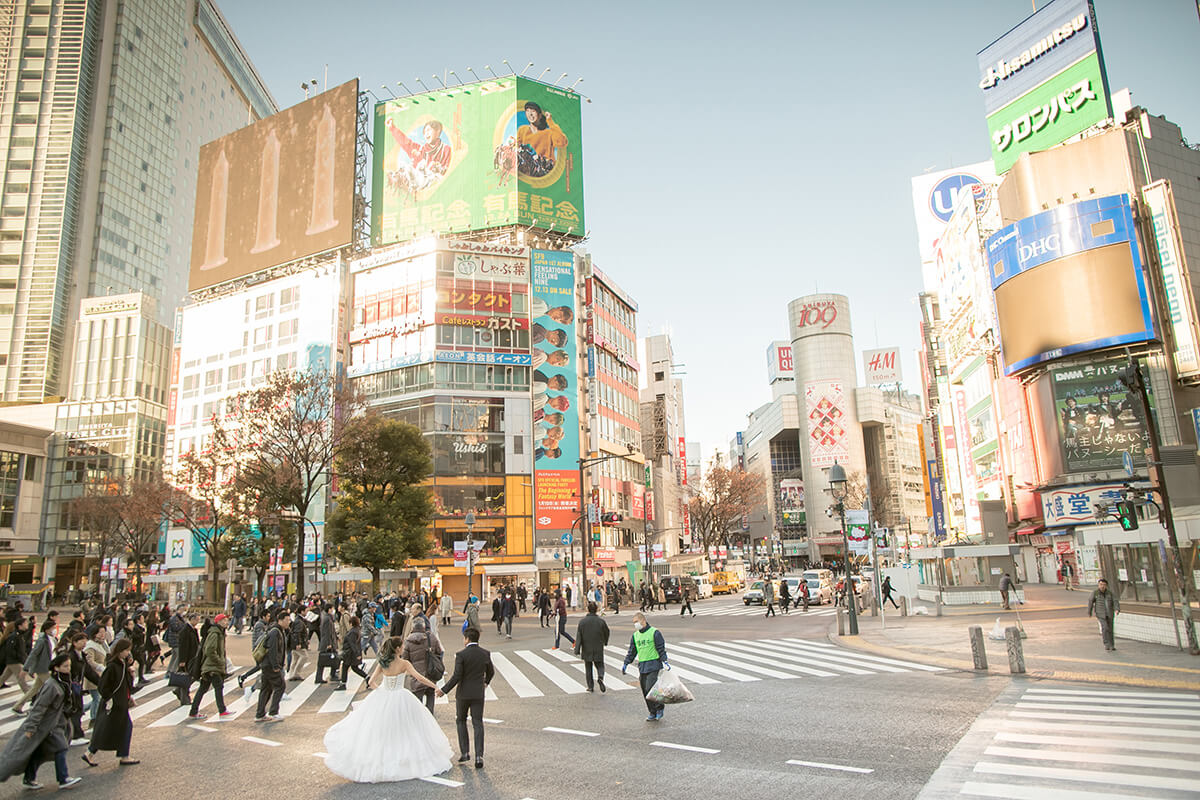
1070	743
714	608
529	673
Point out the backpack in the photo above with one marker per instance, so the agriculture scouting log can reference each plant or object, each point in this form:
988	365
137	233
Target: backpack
260	650
435	667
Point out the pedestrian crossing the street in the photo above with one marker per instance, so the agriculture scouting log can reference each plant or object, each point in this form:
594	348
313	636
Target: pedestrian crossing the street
528	673
1072	743
740	609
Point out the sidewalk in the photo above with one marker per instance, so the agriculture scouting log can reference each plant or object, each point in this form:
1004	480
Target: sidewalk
1064	645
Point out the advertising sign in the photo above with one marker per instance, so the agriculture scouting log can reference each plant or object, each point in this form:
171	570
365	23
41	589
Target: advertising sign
682	453
819	313
1098	419
278	190
1044	80
825	402
881	366
935	507
1039	267
935	196
1077	505
779	362
478	156
556	391
1176	279
791	501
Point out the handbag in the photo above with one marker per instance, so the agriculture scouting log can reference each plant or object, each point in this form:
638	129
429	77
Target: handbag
435	667
328	660
179	680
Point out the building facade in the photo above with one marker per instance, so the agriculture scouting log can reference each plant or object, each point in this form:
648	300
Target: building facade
664	444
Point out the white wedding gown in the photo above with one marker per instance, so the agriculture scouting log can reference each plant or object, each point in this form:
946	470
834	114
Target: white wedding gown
389	736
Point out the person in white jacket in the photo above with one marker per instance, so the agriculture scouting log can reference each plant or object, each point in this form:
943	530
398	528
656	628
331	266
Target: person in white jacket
447	608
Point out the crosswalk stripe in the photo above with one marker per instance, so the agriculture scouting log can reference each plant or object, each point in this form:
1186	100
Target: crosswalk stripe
814	658
1108	720
560	679
514	677
1131	701
298	694
613	683
861	657
845	658
1013	791
686	674
751	659
701	651
1062	727
339	701
1089	776
774	659
1106	693
1094	758
1128	743
1172	712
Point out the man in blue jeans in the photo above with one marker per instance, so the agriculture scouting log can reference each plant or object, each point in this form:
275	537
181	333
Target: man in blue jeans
648	647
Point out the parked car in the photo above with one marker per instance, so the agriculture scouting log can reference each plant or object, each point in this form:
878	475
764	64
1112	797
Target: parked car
704	586
674	587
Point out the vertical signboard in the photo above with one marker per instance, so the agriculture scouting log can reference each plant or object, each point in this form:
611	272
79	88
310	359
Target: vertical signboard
935	506
1098	418
881	366
779	362
1044	81
791	501
825	402
1176	280
935	196
549	138
682	452
555	391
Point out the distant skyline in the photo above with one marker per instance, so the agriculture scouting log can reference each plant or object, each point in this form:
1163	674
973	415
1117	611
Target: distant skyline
738	156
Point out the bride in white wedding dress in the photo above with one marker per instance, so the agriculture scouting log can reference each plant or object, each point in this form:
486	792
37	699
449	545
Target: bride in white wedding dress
390	735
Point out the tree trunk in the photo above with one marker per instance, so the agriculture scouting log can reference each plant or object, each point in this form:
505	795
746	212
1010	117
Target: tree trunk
374	581
260	574
212	577
300	536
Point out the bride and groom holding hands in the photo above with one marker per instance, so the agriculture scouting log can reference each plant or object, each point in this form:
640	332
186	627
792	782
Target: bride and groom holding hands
391	736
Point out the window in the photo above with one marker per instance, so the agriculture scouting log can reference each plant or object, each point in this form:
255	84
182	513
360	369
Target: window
262	337
289	331
191	384
264	305
289	298
286	361
212	378
237	376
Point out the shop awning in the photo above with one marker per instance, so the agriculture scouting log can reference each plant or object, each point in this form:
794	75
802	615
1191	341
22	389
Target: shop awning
1029	530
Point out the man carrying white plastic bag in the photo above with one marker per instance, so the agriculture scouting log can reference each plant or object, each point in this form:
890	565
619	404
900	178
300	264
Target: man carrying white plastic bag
650	650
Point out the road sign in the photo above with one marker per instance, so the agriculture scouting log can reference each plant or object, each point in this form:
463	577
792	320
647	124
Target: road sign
599	571
567	538
1127	463
591	563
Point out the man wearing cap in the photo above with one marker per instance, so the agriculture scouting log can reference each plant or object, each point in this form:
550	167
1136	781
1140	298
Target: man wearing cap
212	669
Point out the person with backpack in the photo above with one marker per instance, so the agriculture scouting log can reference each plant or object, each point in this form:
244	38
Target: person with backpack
351	653
211	669
13	653
256	635
271	656
37	663
426	654
176	623
327	641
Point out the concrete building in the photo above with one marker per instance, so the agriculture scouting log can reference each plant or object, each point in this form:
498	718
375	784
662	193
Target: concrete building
663	438
890	423
105	106
23	454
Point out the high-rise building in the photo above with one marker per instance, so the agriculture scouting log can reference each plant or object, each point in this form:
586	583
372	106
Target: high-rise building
103	108
890	422
664	444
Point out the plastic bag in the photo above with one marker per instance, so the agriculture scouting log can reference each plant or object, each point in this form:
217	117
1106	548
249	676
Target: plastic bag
669	689
997	632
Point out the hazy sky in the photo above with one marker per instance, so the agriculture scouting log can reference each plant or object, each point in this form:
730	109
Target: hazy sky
737	155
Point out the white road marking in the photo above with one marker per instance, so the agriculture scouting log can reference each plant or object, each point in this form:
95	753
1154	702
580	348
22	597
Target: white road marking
321	755
204	728
298	694
687	675
1101	718
1078	727
859	659
1173	712
1094	758
1013	791
441	781
493	721
752	651
1088	776
339	701
819	765
702	652
572	732
688	747
257	740
560	678
515	678
1106	693
578	665
1129	743
1129	701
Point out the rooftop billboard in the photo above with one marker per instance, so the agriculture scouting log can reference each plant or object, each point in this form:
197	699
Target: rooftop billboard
1044	81
1068	280
478	156
278	190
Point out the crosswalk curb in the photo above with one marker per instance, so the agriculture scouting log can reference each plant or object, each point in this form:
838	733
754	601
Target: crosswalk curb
858	643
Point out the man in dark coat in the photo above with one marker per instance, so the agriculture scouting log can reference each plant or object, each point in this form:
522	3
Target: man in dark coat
188	649
473	671
326	642
591	637
272	670
44	735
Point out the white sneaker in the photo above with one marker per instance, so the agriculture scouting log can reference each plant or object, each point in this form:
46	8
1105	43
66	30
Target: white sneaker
286	696
77	742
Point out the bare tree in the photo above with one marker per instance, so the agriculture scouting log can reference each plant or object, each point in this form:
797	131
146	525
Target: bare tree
129	513
288	434
723	498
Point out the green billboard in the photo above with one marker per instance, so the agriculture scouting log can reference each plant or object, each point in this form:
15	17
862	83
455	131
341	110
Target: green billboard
478	156
1052	112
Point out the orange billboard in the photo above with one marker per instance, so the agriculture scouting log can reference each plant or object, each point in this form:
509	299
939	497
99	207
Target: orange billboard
278	190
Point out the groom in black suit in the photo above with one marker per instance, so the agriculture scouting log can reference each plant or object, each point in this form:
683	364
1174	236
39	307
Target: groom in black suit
472	674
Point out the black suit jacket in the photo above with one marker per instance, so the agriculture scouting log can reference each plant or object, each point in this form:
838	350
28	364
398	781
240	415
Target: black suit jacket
472	672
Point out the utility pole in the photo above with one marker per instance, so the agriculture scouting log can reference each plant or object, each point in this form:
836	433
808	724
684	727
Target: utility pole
470	520
1137	382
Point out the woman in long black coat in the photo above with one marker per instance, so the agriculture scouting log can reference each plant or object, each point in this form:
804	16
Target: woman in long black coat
113	727
45	734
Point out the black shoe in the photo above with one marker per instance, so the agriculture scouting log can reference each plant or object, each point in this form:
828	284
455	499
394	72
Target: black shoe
320	682
591	689
464	758
241	681
341	687
479	763
601	682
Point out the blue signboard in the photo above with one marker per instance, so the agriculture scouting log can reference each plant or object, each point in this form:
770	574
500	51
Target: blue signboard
1069	280
471	357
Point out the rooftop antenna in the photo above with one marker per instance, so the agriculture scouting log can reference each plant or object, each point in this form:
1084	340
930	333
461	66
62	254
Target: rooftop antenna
560	77
539	77
527	66
473	73
576	83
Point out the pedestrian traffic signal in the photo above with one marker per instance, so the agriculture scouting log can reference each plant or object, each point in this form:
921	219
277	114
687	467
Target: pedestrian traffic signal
566	562
1127	515
324	568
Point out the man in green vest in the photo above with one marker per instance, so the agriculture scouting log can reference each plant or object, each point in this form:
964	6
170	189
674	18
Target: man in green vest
648	647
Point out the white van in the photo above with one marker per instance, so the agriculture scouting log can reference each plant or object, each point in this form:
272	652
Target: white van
704	586
825	575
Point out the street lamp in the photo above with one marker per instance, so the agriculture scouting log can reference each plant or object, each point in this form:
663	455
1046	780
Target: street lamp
585	526
837	488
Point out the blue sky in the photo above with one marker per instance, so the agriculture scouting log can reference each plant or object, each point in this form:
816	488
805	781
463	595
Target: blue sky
737	155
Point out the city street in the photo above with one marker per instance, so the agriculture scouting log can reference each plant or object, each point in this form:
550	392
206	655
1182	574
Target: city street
778	706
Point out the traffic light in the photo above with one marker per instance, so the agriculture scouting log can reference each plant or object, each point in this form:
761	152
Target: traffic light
324	568
1127	515
566	562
